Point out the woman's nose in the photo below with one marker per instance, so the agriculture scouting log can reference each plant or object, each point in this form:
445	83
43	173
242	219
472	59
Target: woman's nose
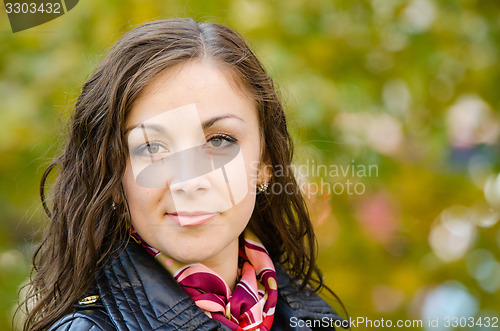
191	186
187	171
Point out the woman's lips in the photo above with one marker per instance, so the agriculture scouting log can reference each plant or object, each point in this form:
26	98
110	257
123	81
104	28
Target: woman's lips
191	218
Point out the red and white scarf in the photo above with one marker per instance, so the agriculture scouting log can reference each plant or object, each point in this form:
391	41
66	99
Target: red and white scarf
250	306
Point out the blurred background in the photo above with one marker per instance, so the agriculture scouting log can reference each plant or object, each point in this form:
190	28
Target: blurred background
395	109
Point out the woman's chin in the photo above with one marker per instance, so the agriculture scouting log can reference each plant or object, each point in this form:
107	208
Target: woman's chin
192	256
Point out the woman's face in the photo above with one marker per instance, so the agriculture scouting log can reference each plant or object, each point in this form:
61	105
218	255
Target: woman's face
194	147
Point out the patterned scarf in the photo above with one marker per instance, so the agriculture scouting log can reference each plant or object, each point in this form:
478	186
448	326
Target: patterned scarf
250	306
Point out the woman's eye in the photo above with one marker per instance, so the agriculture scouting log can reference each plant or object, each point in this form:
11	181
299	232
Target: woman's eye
153	149
216	142
220	142
150	149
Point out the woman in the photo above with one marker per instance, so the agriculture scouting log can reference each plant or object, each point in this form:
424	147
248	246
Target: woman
163	214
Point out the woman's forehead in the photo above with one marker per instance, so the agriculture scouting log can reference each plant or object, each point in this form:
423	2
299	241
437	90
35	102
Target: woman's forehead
201	83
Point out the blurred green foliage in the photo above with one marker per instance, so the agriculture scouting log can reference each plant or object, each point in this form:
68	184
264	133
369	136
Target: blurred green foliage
410	87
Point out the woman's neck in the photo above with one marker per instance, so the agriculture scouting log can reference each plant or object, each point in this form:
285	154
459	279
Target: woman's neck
225	264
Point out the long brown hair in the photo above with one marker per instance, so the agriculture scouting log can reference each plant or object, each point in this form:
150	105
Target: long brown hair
84	228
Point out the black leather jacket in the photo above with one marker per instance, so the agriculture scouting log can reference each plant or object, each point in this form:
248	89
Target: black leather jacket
136	293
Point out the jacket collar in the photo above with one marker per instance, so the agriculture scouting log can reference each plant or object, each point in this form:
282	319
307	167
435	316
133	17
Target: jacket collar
138	294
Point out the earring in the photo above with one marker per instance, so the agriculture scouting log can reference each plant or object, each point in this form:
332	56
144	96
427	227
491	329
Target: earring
263	186
113	205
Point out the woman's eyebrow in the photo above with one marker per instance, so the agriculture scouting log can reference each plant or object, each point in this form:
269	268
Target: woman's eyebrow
157	128
208	123
205	125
